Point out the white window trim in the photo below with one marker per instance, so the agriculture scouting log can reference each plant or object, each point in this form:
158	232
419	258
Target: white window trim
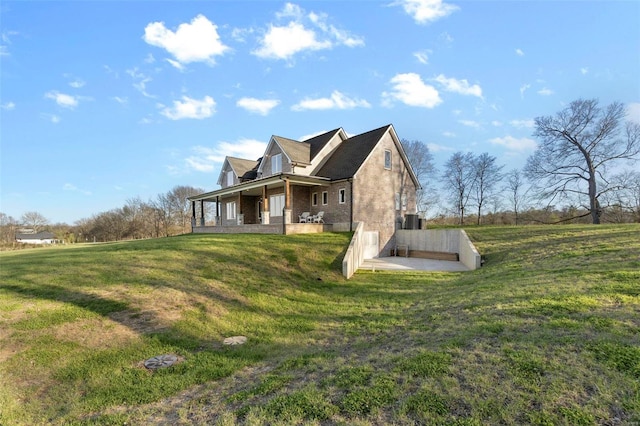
325	198
275	208
397	198
274	169
230	178
342	195
385	159
231	210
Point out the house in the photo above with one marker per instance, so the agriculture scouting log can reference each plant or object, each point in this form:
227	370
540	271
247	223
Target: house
345	180
42	237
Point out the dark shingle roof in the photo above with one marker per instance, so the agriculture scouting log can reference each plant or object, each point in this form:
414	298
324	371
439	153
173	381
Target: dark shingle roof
318	142
350	154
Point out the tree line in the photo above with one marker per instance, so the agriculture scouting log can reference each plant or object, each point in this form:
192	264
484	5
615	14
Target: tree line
581	171
165	215
582	167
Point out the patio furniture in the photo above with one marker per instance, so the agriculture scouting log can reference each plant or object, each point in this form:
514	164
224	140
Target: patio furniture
304	217
318	218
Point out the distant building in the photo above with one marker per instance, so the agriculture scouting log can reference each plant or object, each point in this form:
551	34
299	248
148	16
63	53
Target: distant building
42	237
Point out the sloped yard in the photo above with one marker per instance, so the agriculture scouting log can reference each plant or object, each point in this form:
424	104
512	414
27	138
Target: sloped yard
547	332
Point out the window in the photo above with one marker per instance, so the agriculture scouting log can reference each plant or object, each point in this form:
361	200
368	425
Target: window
325	198
404	201
387	159
342	196
314	199
230	177
397	201
276	204
231	210
276	164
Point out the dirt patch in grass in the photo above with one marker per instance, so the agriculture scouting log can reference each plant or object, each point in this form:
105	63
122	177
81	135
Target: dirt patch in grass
97	333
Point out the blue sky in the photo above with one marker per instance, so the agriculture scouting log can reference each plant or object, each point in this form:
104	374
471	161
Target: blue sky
104	101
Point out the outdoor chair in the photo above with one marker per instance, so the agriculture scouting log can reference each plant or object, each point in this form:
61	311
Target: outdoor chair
318	218
304	217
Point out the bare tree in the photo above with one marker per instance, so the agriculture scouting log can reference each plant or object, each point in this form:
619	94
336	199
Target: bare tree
181	206
488	175
34	220
423	166
627	195
459	178
576	147
8	228
516	192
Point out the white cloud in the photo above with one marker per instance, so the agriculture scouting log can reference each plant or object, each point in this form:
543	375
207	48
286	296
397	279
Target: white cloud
584	70
519	52
411	90
470	123
190	108
176	64
258	106
523	124
197	41
459	86
545	92
205	158
448	134
121	101
149	59
633	112
496	123
63	100
284	42
140	82
73	188
8	106
426	11
77	83
51	117
337	100
515	144
303	32
422	56
434	147
523	89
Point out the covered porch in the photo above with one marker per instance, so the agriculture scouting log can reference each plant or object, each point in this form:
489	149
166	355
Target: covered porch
267	205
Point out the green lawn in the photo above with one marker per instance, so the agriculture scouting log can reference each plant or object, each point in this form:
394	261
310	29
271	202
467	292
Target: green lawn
547	332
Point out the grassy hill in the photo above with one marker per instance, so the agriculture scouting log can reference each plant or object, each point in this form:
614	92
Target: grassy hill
547	332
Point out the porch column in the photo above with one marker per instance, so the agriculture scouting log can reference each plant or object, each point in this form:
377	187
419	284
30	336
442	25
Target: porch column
201	212
193	215
265	206
240	216
218	218
287	201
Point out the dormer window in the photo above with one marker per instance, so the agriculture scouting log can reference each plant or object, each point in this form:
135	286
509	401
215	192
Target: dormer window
276	164
230	178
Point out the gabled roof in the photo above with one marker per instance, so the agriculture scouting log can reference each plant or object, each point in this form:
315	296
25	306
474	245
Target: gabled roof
297	152
351	154
240	166
318	142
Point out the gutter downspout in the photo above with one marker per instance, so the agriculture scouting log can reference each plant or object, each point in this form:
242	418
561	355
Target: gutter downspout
351	206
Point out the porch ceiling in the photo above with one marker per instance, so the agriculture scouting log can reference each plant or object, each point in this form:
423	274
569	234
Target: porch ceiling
254	187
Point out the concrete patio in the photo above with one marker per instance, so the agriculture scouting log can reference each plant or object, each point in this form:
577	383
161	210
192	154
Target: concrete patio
399	263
